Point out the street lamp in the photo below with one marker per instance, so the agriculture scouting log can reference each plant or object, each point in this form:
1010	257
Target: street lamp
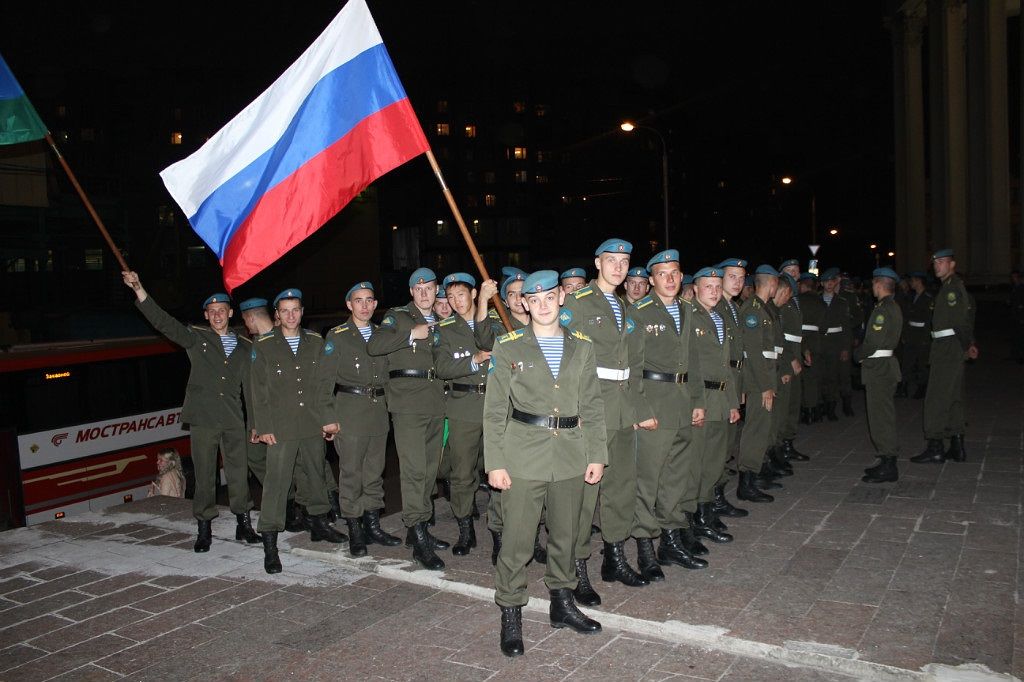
628	127
878	256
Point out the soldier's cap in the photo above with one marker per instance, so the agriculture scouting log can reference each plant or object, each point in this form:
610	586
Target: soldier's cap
790	280
459	278
748	281
217	298
573	272
539	282
287	293
422	276
666	256
920	274
708	272
638	271
808	275
687	279
732	263
250	303
614	245
766	270
831	273
787	263
886	272
515	277
442	294
509	270
357	287
943	253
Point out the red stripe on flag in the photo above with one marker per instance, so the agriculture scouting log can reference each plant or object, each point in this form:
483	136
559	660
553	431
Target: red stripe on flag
301	204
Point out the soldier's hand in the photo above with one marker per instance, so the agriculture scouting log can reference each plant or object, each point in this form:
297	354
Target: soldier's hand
268	438
480	357
487	289
734	416
797	368
697	418
499	479
647	424
972	352
420	331
808	358
132	281
254	437
329	430
767	398
786	378
594	473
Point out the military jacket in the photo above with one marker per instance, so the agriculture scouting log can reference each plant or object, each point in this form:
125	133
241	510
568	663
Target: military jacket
713	357
521	379
759	365
655	345
730	312
346	362
291	396
855	311
409	395
917	322
953	309
791	327
836	317
588	311
453	358
216	381
489	330
881	336
781	366
812	307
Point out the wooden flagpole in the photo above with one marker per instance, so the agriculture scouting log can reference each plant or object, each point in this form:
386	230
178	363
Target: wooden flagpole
499	305
88	204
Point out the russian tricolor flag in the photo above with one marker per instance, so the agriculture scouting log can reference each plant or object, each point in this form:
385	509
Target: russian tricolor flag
334	122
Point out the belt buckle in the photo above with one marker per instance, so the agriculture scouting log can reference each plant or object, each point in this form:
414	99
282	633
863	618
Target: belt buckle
553	423
480	388
431	374
721	385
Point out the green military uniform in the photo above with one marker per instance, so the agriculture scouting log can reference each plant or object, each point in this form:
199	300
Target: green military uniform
781	403
730	312
546	465
212	409
589	312
291	400
855	324
952	334
665	383
416	402
836	338
791	328
880	372
917	340
812	307
358	382
759	375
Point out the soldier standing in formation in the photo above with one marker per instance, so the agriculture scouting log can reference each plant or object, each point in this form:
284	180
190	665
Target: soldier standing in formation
637	284
836	342
916	339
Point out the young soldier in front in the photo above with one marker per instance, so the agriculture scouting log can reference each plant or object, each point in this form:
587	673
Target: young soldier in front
544	443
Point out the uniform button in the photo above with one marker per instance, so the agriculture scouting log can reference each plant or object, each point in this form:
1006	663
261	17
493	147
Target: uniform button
221	394
296	367
299	379
300	392
556	410
302	404
556	386
225	378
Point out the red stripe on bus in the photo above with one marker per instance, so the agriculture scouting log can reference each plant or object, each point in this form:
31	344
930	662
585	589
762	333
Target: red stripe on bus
80	356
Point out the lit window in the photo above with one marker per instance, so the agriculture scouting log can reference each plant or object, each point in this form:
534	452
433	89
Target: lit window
519	153
519	107
520	176
470	131
16	265
541	179
541	110
176	138
94	259
489	177
490	200
442	106
442	130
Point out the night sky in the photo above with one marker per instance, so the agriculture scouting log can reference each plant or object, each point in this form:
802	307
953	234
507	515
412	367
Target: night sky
745	92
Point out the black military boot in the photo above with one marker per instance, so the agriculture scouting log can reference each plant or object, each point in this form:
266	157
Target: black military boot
374	533
703	525
688	538
777	462
722	507
748	490
271	559
956	450
671	551
511	630
615	568
933	453
848	405
320	529
467	537
423	548
295	518
356	536
243	529
884	472
495	546
335	513
474	510
540	553
438	544
647	562
791	453
565	614
830	411
584	592
765	478
204	537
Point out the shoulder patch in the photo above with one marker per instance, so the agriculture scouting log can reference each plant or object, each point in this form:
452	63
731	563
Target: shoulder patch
243	337
643	302
879	318
490	366
388	321
585	291
581	336
401	309
493	314
755	304
435	339
751	321
511	336
565	317
198	328
328	348
264	336
447	321
310	332
630	325
951	298
340	329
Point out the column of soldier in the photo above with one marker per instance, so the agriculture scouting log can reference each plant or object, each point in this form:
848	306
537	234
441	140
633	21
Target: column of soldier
630	407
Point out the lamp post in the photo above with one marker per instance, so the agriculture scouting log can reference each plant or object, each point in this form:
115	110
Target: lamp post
629	126
787	180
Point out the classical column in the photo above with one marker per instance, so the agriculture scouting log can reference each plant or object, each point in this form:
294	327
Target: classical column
909	140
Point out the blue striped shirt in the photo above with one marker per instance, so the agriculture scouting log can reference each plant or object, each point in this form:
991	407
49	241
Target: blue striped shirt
293	343
551	347
719	325
616	308
732	310
673	310
365	332
229	341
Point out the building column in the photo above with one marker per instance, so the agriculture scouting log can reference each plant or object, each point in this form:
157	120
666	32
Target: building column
947	106
908	107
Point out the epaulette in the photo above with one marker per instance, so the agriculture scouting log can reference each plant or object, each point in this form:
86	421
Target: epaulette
493	314
312	333
585	291
243	337
643	302
265	335
511	336
340	329
447	321
755	304
200	328
401	309
581	336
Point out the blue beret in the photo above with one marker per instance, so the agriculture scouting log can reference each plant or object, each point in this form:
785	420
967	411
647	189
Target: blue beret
943	253
766	270
808	275
515	277
217	298
886	272
638	271
614	245
540	281
250	303
442	294
666	256
357	287
422	276
708	272
787	263
573	272
459	278
788	279
917	273
687	279
732	263
831	273
288	293
510	270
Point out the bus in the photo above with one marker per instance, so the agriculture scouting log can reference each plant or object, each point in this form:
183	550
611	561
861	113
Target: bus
81	423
